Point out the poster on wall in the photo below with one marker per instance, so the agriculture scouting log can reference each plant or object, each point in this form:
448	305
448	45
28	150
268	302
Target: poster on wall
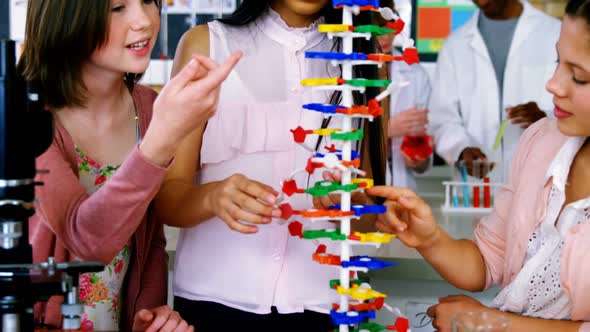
18	14
434	20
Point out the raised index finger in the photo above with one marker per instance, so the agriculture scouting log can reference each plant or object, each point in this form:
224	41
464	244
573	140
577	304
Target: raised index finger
389	192
219	73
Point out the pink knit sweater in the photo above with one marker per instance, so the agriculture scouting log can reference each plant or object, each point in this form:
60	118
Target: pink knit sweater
70	223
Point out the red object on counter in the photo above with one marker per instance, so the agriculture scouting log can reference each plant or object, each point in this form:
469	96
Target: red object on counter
476	196
417	147
486	193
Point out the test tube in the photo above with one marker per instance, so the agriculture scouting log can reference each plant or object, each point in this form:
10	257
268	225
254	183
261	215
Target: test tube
477	164
486	188
455	196
465	179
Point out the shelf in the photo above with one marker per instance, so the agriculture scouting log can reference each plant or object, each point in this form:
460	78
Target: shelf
465	211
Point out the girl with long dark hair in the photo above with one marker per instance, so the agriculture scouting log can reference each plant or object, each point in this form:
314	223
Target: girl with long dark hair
535	242
232	264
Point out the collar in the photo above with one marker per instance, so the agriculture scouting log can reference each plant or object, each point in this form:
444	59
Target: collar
485	21
561	164
272	25
527	21
528	11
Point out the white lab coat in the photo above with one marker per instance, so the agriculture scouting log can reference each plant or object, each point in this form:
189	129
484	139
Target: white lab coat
416	93
464	109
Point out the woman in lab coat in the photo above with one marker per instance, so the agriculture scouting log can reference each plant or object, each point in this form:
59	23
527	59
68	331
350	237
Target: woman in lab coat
467	105
407	112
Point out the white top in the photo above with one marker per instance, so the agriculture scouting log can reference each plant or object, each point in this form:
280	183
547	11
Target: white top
416	94
249	134
537	291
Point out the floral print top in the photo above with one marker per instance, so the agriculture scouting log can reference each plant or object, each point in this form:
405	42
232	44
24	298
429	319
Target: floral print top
100	292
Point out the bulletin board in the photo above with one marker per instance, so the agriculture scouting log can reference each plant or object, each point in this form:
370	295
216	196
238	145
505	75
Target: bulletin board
434	20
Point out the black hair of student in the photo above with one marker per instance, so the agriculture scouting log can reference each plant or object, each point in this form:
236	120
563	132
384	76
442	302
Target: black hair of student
374	131
578	9
60	35
250	10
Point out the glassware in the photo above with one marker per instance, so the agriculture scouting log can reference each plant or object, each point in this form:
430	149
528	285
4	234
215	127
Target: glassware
420	146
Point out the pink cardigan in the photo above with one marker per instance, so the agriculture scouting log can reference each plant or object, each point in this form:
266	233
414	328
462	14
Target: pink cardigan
69	223
520	206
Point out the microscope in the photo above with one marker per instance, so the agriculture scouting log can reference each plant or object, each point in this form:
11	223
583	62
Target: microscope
26	131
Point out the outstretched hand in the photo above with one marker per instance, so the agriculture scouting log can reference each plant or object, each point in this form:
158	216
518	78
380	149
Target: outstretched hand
190	98
407	215
442	314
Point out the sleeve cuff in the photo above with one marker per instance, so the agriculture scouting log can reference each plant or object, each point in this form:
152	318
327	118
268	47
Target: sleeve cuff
585	327
147	162
137	168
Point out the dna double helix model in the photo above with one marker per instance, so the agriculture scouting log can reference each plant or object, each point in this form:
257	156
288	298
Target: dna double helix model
358	301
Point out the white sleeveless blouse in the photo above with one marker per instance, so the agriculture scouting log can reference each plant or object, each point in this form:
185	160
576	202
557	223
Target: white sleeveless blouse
249	134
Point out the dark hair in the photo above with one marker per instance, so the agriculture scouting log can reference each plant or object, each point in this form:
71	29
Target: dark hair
250	10
579	9
374	142
60	35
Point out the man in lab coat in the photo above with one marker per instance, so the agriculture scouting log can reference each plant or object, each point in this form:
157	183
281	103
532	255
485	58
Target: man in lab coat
493	68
